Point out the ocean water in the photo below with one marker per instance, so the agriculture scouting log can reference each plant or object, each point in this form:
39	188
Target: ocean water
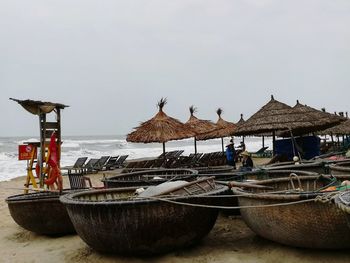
74	147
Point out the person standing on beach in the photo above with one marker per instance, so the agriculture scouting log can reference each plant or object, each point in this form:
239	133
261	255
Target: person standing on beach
231	154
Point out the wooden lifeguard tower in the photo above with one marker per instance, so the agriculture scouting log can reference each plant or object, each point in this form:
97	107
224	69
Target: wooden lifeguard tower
50	131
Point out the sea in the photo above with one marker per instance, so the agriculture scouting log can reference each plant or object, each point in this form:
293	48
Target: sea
74	147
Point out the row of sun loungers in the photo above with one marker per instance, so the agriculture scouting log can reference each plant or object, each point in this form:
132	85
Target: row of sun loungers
77	172
175	159
95	165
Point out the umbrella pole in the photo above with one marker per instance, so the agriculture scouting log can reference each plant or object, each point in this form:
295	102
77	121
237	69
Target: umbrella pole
164	151
195	145
332	140
273	143
222	144
338	141
263	141
294	145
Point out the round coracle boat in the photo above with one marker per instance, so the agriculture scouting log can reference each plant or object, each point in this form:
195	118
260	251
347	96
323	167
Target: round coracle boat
41	213
342	200
115	221
296	211
251	176
340	168
149	177
316	166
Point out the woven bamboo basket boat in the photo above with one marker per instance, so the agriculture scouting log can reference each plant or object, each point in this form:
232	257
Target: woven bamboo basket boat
113	221
41	213
309	224
149	177
250	176
340	168
343	202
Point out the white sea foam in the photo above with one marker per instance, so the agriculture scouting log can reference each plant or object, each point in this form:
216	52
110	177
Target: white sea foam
70	145
10	167
95	147
93	141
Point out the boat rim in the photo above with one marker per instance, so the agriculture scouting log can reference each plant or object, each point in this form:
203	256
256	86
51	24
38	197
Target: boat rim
71	198
302	195
119	177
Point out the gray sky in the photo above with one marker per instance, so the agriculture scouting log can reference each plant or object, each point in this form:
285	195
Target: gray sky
113	60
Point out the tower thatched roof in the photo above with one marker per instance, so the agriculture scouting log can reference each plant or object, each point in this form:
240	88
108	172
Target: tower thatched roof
224	129
36	107
197	125
276	116
161	128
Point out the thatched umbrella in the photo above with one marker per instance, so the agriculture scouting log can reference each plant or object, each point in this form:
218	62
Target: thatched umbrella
198	126
277	116
224	129
340	129
321	119
161	128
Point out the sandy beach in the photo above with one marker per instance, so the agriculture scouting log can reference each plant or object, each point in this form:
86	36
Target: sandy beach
229	241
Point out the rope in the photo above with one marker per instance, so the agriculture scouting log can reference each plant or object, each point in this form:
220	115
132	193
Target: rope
326	198
222	196
230	207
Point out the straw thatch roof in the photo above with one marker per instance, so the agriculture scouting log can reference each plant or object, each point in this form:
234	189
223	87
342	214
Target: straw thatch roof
197	125
37	107
340	129
321	119
224	129
161	128
276	116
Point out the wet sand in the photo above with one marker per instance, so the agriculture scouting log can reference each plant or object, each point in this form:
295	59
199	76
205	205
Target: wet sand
229	241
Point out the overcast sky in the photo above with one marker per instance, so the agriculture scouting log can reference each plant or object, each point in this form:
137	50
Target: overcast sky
111	61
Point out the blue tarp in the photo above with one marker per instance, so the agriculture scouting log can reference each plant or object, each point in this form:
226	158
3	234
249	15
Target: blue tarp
308	146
